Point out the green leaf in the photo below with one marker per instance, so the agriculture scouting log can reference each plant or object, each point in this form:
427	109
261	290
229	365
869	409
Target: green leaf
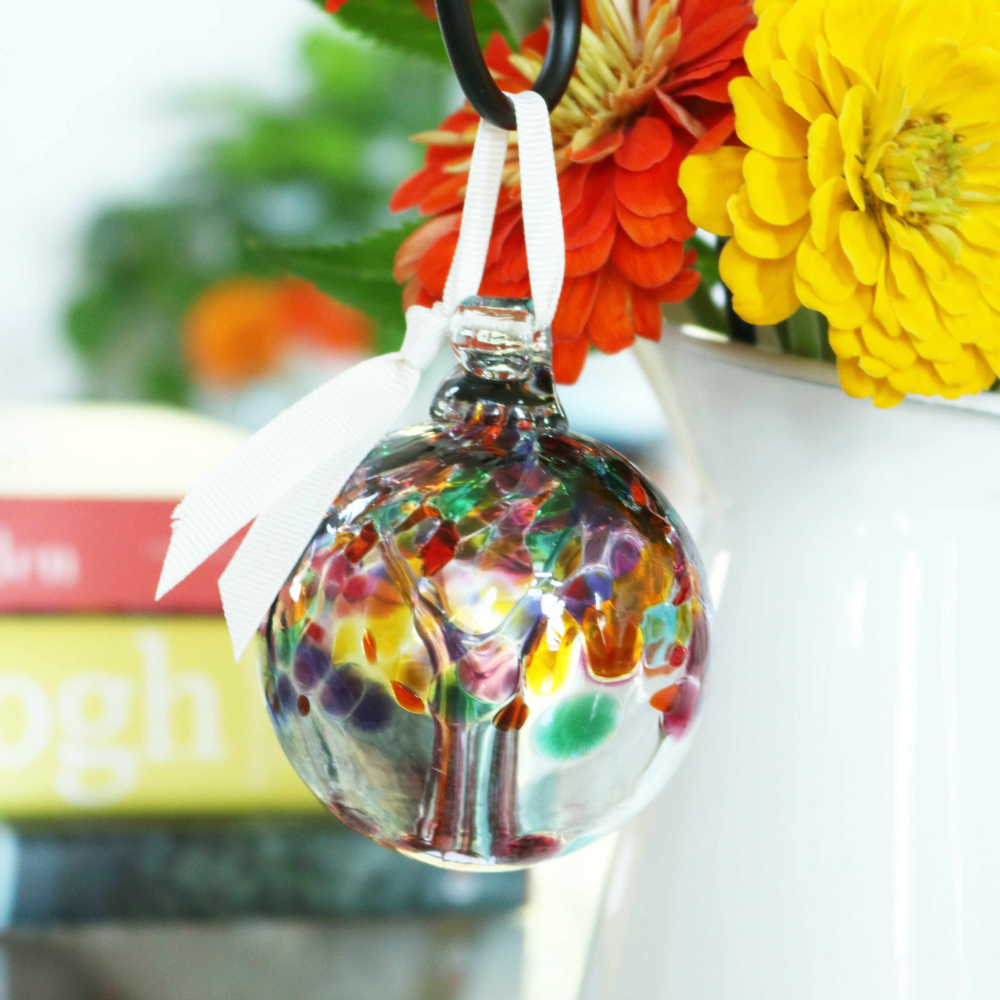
804	334
359	274
400	23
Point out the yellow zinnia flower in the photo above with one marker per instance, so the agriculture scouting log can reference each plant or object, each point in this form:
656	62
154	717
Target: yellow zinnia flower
870	190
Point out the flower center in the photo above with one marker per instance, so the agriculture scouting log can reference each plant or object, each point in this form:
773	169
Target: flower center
621	62
921	171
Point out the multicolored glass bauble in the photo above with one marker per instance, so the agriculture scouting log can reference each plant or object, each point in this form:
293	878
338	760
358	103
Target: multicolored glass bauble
493	648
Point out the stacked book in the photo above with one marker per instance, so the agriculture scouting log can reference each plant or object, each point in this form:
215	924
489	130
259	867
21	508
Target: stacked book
139	775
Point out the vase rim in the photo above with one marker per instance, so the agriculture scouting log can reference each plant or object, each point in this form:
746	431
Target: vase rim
710	343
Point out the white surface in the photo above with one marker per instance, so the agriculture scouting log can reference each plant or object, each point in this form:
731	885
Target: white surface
86	95
834	830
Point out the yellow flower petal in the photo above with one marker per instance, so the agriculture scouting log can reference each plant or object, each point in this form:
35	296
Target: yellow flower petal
779	189
797	32
961	371
912	239
799	93
982	263
844	315
882	309
828	272
938	347
835	81
885	396
906	272
708	181
873	366
826	207
765	123
979	232
856	31
851	124
922	69
957	293
969	90
897	352
763	290
965	328
760	238
826	151
762	47
863	243
844	343
853	380
920	379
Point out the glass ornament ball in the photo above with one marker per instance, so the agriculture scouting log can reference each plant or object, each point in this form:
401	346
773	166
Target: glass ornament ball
493	648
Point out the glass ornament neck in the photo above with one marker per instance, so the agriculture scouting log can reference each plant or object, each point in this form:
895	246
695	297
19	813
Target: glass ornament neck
504	373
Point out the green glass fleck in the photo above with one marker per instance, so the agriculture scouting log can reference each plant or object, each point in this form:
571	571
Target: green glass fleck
684	624
577	726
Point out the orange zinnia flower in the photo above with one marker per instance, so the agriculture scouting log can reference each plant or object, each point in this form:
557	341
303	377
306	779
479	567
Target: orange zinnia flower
650	86
239	328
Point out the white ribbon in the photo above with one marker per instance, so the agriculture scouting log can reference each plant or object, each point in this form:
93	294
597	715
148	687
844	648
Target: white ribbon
285	477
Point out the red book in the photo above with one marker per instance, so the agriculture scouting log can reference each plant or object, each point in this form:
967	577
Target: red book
96	555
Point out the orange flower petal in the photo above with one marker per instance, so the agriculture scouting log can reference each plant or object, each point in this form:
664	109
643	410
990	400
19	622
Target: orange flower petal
414	294
512	261
647	142
575	302
597	207
717	88
678	288
654	191
647	320
504	289
609	328
708	33
568	360
447	194
413	248
502	225
600	149
433	269
497	55
698	71
414	189
716	135
537	41
731	48
652	231
571	183
647	267
591	257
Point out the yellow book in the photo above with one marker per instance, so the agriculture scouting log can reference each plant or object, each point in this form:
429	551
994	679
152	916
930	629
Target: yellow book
135	715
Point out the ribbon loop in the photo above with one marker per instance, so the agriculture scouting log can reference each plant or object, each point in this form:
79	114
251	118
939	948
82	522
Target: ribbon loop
285	476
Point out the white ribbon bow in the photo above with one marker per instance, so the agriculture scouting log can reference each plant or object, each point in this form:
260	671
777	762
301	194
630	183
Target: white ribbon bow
287	474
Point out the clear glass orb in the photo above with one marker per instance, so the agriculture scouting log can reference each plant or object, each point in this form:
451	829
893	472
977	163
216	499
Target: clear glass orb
493	648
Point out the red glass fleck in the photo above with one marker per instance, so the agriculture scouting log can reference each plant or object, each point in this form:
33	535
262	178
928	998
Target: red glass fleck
678	655
302	704
316	632
664	699
683	590
407	699
362	543
638	492
368	642
512	716
439	549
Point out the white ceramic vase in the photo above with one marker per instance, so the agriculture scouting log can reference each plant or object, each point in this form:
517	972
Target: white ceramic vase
835	831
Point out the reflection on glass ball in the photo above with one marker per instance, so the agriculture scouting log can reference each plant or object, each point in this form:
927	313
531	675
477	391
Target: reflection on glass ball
493	648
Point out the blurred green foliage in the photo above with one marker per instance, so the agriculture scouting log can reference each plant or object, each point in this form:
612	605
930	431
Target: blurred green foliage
317	168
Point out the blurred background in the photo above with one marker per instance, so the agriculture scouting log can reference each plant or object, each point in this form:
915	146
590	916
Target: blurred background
147	150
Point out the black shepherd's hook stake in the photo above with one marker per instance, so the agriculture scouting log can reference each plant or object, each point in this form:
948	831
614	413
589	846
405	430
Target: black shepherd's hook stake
459	33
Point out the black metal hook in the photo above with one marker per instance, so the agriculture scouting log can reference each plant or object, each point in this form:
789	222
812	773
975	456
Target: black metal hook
462	45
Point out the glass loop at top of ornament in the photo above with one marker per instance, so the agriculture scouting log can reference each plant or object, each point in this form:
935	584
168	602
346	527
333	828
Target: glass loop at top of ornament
496	339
